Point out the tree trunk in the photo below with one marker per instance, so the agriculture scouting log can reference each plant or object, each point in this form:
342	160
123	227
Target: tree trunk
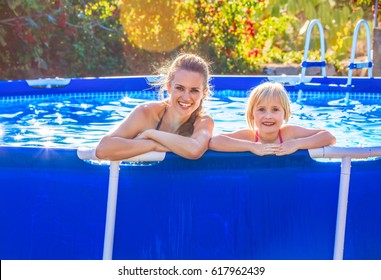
377	52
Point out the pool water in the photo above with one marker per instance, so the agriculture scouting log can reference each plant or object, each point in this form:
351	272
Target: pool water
80	120
53	204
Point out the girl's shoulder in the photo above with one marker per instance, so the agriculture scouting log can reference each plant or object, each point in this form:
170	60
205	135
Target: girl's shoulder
244	134
294	127
289	129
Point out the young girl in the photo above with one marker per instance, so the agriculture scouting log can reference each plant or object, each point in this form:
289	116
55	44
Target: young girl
268	107
176	124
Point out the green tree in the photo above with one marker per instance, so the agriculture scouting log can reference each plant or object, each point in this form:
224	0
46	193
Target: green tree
238	36
60	38
132	37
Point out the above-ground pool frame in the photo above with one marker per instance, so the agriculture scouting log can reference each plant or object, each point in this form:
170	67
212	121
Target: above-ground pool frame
52	87
347	85
344	154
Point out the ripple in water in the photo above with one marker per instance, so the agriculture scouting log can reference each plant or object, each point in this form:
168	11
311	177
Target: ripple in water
77	122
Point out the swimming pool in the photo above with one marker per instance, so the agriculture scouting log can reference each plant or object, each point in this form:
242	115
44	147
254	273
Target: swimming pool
222	206
80	119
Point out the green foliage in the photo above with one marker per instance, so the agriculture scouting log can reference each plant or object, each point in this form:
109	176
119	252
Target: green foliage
129	37
238	35
371	3
59	38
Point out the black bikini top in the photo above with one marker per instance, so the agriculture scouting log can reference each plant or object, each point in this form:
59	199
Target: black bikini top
161	119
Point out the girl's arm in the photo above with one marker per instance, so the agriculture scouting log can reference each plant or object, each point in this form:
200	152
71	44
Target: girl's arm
304	138
188	147
121	143
239	141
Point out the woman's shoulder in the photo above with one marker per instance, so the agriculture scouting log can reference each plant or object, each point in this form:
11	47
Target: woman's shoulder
204	116
151	107
204	120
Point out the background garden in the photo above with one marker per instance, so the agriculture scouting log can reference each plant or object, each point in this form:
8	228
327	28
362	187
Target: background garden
62	38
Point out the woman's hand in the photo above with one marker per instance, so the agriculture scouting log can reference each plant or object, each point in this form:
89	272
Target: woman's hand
147	136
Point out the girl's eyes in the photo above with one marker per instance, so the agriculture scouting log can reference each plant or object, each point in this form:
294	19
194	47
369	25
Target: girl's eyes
273	109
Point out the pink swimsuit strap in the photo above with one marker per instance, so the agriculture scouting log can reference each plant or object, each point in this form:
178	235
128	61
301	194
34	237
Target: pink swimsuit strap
279	134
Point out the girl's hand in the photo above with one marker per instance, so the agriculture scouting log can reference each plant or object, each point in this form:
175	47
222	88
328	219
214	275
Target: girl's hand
264	149
287	148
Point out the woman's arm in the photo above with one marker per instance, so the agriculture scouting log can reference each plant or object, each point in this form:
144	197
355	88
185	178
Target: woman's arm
188	147
118	148
121	143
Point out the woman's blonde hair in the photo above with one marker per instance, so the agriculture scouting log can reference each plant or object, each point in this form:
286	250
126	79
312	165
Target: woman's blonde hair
189	62
265	92
186	61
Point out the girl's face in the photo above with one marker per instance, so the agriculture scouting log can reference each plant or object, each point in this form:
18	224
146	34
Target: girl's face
269	115
186	91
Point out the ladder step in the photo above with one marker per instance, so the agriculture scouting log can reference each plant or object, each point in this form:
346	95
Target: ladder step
308	64
359	65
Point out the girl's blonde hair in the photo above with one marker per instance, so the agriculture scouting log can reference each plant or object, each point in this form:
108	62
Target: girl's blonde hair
265	92
189	62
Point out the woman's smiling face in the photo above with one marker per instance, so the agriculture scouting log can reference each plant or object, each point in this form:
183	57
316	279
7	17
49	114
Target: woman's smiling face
186	91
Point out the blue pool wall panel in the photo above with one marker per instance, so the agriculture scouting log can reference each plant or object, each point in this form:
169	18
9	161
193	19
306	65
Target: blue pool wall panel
223	206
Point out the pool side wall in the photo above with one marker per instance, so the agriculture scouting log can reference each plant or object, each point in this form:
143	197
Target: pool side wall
132	83
222	206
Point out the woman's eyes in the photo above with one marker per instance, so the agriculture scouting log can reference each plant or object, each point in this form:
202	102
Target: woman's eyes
183	89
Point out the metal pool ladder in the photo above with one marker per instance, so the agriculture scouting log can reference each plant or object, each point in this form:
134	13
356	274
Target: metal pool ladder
318	63
359	65
322	63
309	64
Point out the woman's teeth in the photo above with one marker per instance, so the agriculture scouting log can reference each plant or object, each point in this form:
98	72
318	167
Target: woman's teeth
184	104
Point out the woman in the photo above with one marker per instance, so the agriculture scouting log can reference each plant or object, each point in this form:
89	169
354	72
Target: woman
176	124
267	110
